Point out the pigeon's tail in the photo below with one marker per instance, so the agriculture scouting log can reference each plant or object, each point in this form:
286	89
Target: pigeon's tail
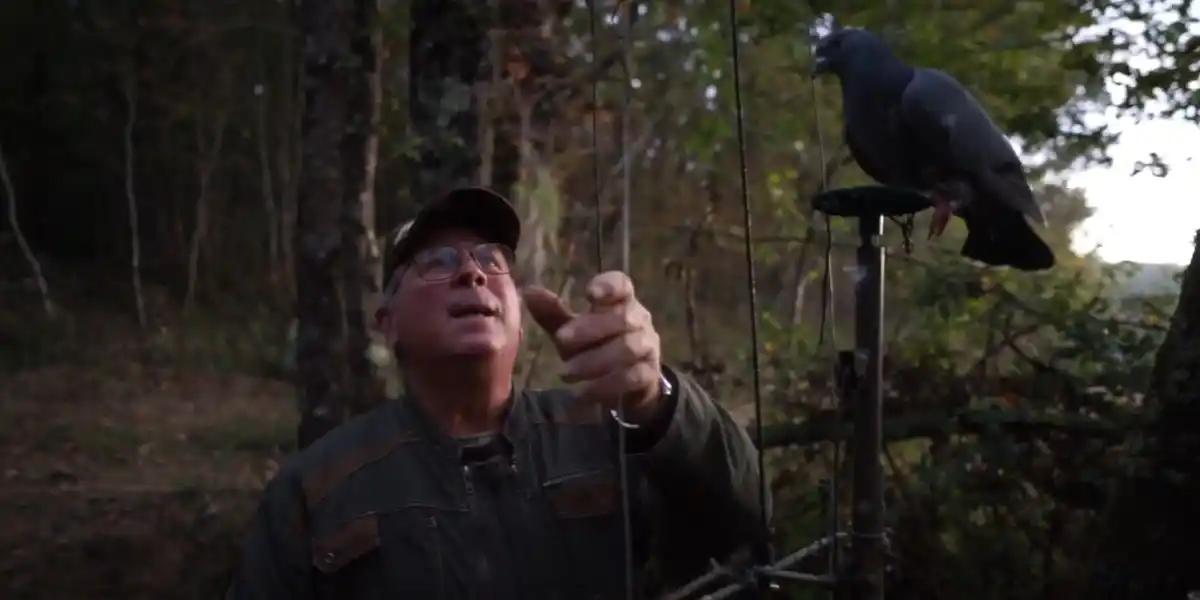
1005	238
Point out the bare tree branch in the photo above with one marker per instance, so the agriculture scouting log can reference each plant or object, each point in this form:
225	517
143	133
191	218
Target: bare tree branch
130	90
14	222
829	426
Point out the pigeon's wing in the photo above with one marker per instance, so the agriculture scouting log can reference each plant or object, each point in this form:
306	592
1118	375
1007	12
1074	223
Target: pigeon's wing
944	120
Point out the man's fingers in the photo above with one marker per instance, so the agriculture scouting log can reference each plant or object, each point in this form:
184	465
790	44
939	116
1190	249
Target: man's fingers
548	310
609	288
590	329
617	355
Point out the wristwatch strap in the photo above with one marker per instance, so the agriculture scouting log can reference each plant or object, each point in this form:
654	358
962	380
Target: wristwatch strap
665	390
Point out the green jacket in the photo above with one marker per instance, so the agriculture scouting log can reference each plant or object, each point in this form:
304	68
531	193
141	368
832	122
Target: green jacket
384	507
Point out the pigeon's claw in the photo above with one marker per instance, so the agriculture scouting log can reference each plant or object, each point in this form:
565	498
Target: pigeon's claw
942	211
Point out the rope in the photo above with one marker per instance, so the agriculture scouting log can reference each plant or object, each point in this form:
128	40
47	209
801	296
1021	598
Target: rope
596	183
626	193
827	305
763	550
626	213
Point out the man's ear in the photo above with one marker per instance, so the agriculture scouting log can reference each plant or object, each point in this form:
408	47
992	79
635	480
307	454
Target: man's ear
382	315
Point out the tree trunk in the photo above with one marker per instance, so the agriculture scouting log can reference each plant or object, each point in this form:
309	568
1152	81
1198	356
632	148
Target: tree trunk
135	238
1149	550
265	92
359	156
447	54
327	28
291	152
208	157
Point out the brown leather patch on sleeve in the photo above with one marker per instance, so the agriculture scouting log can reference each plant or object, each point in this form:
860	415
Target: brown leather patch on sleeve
352	540
321	482
588	495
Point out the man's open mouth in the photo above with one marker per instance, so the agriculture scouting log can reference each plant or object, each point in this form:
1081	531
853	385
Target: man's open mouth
472	310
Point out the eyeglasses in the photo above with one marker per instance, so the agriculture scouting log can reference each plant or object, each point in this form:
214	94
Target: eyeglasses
444	262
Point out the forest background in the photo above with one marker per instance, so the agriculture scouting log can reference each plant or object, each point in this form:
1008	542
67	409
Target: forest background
197	193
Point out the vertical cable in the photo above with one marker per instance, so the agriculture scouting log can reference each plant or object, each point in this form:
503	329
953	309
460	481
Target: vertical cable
827	307
626	191
599	214
747	225
626	213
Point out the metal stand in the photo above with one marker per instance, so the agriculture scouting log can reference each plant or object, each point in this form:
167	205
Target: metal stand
860	377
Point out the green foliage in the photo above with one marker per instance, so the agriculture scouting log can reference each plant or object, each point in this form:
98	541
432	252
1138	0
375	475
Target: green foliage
1023	346
1018	381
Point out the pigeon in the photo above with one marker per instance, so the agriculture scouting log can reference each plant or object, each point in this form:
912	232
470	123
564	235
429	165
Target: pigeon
920	129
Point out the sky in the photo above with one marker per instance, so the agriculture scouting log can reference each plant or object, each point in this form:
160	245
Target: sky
1144	218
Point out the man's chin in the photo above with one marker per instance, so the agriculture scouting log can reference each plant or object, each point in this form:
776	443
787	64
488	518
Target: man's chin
476	346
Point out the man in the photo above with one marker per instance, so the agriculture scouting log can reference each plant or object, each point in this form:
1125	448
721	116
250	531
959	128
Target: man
468	488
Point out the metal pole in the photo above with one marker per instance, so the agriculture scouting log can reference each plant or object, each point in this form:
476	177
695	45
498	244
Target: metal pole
867	494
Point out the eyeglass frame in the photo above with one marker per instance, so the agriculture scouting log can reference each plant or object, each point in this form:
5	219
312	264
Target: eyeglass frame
408	263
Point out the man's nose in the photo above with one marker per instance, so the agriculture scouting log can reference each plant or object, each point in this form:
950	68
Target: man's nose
470	274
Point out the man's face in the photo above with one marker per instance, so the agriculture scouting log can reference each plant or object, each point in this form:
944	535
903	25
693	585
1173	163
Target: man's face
447	305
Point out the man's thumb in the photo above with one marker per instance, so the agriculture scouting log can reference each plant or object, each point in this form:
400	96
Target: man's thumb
546	308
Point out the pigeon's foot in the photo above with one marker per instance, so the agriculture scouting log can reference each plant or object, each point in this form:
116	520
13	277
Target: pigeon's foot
942	211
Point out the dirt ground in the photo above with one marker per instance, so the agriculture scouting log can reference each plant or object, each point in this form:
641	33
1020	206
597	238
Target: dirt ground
128	482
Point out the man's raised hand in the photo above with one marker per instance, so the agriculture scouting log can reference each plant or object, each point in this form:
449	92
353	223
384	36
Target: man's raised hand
612	351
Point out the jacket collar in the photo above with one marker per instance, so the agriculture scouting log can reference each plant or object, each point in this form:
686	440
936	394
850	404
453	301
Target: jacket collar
516	420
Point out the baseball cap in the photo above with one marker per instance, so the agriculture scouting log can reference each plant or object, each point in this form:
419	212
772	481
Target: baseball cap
482	211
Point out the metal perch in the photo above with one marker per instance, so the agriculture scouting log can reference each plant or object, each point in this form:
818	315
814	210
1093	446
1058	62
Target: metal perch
861	380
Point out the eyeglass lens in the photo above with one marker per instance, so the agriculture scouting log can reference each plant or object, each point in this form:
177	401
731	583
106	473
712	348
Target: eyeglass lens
445	262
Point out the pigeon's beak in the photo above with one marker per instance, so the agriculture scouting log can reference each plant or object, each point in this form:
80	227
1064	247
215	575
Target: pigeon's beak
820	66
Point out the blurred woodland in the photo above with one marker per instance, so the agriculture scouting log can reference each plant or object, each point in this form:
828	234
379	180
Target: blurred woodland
197	193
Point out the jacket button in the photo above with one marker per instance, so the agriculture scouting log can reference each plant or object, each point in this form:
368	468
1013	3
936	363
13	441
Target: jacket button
329	558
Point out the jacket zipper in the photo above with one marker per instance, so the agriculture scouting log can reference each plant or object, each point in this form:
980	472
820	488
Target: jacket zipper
468	481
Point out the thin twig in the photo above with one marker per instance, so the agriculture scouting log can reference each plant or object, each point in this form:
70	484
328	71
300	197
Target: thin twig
14	222
635	149
131	195
208	165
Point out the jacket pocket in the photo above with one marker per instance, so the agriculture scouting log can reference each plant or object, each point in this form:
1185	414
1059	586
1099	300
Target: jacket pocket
382	555
587	513
348	562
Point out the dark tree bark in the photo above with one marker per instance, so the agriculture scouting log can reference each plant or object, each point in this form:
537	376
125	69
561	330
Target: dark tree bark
447	54
1150	547
336	179
359	155
318	235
